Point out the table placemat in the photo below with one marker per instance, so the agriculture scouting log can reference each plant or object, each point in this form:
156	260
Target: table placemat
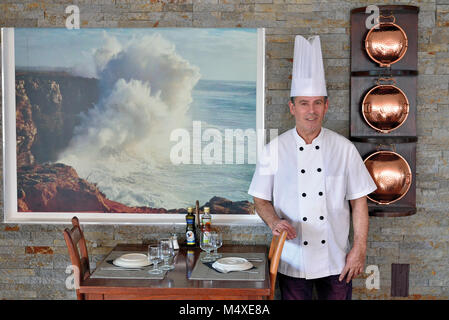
107	270
203	272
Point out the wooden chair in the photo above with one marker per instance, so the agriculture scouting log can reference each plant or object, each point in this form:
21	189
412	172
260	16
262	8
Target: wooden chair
274	256
73	239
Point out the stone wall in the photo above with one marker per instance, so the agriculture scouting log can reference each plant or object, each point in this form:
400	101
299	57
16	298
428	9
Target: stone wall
33	258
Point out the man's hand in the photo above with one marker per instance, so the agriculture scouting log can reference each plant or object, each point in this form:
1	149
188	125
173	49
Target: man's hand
265	210
280	225
355	262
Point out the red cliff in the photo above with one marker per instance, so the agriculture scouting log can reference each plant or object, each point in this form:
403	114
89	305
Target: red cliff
58	188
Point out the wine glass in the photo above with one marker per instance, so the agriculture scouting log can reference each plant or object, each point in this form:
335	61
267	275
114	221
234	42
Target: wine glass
206	245
154	256
217	241
167	252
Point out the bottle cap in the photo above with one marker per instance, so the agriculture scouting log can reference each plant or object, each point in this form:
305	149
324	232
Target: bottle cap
206	209
189	209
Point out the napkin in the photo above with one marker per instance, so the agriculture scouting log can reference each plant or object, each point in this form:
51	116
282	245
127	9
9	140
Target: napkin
223	269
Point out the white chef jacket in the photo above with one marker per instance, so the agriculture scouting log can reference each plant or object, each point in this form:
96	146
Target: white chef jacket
309	186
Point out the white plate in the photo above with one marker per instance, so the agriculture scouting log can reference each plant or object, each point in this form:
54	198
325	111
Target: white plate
234	264
132	260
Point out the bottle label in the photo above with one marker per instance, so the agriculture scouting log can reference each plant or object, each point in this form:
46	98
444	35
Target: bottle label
207	225
190	236
174	240
206	236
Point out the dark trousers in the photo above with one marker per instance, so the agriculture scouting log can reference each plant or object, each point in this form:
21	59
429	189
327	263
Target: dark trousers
327	288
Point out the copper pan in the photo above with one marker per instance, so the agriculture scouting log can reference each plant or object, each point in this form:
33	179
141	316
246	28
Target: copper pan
392	175
386	43
385	107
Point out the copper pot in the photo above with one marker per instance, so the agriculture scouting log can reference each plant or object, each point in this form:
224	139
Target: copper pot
386	42
385	107
392	175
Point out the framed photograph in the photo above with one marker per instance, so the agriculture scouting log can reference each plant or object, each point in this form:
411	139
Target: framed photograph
131	126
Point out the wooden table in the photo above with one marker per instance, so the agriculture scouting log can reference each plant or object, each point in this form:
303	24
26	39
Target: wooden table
175	285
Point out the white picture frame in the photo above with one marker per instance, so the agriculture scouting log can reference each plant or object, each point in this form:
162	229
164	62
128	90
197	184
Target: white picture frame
11	215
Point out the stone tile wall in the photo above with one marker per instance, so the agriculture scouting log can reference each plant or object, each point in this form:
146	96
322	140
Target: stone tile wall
33	258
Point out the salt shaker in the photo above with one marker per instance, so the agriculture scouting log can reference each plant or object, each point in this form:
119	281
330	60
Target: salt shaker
174	239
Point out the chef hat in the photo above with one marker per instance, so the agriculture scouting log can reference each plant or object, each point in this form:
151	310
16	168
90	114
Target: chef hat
308	70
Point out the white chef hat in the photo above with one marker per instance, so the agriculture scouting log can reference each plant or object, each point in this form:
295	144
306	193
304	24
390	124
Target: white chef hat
308	70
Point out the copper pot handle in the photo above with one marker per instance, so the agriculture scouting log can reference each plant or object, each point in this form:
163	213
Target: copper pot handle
388	146
368	108
405	108
408	178
382	16
385	79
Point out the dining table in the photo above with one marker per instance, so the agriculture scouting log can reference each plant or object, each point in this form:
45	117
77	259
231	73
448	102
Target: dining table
176	284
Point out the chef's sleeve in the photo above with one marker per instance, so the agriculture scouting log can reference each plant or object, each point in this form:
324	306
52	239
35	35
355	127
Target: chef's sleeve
359	181
263	178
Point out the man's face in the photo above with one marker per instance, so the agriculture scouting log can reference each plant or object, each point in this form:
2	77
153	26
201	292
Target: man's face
309	113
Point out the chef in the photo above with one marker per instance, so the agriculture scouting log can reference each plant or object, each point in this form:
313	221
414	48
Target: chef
304	181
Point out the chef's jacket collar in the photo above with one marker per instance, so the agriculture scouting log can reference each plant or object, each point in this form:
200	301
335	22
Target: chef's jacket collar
315	142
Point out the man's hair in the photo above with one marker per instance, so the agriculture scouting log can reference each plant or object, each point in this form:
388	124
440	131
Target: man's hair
292	99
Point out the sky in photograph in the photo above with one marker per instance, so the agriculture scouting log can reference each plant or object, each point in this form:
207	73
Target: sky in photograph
221	54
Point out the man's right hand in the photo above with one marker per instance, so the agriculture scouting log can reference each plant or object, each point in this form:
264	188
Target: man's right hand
265	210
280	225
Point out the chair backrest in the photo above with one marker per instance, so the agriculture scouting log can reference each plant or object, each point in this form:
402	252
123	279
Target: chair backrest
74	238
274	255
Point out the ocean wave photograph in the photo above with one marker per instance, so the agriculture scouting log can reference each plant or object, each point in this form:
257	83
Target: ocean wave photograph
96	112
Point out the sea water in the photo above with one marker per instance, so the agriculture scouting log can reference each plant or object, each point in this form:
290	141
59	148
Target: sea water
216	104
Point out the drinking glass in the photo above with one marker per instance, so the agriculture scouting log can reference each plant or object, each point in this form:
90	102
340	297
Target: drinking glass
167	252
217	241
206	245
154	256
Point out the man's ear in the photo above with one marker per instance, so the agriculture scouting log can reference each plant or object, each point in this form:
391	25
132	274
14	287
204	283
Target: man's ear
326	106
291	106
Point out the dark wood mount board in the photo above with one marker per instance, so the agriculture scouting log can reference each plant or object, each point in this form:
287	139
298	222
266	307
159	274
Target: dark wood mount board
406	17
384	73
386	8
407	205
360	87
388	140
396	211
400	279
364	74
